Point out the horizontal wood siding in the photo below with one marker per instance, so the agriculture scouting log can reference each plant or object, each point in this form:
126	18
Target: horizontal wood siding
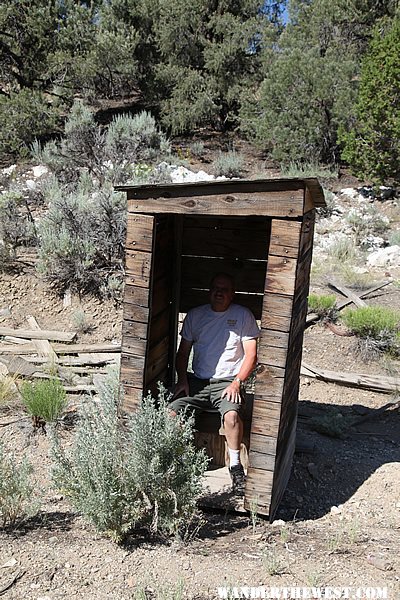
286	440
136	310
274	345
237	246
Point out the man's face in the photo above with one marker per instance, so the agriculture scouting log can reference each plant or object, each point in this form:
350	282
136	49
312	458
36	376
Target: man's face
221	294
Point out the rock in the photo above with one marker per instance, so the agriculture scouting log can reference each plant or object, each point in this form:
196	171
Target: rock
336	510
31	185
278	523
53	539
10	563
379	562
351	192
40	170
385	257
9	170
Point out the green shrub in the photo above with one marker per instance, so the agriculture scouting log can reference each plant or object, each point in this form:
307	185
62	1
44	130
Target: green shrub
24	116
323	305
332	423
343	250
371	143
309	169
81	239
229	164
367	220
16	489
146	473
377	325
106	155
45	400
197	149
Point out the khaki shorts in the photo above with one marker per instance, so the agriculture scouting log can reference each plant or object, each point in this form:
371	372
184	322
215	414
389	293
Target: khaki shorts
205	395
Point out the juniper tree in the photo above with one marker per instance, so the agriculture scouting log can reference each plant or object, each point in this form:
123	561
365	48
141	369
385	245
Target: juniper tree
372	141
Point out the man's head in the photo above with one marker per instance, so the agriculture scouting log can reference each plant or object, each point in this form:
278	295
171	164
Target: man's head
222	291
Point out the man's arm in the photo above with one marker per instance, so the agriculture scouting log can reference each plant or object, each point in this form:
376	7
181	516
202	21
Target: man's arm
232	392
182	360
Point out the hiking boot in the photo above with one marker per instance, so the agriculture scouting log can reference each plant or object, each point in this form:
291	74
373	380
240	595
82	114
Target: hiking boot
238	479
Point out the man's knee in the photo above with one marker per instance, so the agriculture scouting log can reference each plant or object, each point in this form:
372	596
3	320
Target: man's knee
232	419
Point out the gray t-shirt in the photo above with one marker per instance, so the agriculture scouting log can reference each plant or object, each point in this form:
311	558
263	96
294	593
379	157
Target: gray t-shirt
217	339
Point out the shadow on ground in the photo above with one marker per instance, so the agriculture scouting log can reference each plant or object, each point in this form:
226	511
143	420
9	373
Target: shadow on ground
330	475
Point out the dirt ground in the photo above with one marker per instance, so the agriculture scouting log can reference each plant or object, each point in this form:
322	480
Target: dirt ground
338	523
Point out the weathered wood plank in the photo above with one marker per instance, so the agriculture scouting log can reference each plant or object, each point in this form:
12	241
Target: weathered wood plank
42	334
139	232
135	312
265	444
276	339
134	329
249	276
377	383
222	223
257	460
348	293
179	190
43	347
279	204
285	236
240	242
134	345
134	294
61	348
132	398
138	267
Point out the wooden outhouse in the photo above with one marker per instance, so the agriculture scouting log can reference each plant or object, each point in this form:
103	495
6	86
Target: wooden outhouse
261	232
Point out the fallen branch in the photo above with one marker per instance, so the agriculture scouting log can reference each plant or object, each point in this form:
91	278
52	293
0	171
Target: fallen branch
12	581
61	348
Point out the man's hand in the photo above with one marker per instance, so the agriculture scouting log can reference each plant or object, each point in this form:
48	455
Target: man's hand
232	393
181	388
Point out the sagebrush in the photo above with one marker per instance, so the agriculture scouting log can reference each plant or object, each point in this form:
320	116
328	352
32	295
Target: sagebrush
16	489
229	164
145	472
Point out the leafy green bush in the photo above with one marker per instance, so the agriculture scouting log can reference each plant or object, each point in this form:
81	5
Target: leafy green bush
322	305
377	325
229	164
24	116
45	399
16	489
371	144
146	473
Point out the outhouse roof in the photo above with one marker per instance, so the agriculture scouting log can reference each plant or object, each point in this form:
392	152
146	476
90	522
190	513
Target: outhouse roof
270	197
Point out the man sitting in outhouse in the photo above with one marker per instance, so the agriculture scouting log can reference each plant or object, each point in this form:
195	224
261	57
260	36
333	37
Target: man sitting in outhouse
223	336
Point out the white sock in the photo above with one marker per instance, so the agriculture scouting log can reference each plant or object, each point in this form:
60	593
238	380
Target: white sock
234	457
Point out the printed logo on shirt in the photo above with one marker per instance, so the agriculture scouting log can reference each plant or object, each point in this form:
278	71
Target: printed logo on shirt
232	322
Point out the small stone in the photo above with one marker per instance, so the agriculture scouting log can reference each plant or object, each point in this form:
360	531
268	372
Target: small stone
336	510
53	539
10	563
278	523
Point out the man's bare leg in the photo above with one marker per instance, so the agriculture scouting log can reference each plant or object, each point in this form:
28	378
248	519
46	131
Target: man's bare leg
233	426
